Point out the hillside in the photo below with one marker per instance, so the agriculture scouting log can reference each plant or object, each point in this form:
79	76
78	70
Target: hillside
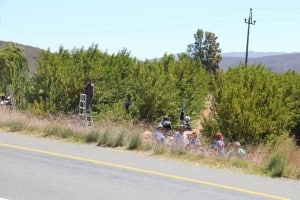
277	63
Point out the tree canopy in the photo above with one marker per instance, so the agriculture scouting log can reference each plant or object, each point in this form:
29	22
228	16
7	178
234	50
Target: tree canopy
157	87
251	104
14	72
254	104
207	49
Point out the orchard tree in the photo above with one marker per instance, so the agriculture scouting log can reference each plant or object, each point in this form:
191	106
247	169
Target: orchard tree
14	71
256	105
206	48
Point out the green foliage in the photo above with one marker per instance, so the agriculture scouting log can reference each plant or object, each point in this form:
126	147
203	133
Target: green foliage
206	49
159	149
277	165
210	127
14	72
59	132
241	163
16	126
283	159
92	136
157	88
253	104
119	140
135	142
105	139
162	86
178	151
66	133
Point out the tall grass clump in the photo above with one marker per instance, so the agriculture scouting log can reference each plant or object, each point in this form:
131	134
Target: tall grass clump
92	136
135	142
50	131
159	149
105	139
66	133
178	151
119	140
16	126
58	132
281	159
277	165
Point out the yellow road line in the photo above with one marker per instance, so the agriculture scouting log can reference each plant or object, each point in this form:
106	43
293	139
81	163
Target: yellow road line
145	171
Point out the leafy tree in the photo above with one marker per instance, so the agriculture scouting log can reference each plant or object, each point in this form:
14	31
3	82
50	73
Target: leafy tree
251	104
157	87
114	83
206	48
162	86
14	71
291	98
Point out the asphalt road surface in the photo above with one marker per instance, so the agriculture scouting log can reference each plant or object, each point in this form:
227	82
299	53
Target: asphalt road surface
38	168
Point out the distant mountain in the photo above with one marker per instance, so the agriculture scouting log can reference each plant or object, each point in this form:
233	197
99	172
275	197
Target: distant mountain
276	62
252	54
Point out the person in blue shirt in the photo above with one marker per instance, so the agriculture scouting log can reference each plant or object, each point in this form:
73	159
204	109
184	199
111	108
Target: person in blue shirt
219	144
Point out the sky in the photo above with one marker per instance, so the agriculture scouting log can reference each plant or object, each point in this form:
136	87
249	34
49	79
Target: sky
150	28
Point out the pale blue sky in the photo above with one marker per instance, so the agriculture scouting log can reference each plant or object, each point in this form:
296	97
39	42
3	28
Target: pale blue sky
150	28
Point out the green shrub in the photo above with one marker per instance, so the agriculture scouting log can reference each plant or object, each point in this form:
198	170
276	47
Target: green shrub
147	146
241	164
135	142
51	130
32	129
79	137
58	132
277	165
91	137
159	149
65	133
178	151
105	139
16	126
119	140
210	127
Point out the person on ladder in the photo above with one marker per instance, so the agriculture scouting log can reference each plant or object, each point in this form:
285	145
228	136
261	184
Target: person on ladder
89	91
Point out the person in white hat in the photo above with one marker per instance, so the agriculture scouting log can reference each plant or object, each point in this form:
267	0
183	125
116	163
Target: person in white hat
239	150
158	134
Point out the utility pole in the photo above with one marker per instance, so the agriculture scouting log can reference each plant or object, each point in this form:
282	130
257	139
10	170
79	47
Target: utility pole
249	21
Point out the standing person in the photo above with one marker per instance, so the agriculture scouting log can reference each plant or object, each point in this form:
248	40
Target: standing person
128	103
89	91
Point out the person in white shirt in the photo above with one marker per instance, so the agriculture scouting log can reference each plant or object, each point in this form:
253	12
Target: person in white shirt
179	137
193	140
158	134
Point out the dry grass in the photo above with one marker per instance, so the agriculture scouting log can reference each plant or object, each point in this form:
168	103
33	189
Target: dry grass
38	125
124	135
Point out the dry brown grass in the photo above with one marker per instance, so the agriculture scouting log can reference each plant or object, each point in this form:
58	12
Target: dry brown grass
258	156
63	121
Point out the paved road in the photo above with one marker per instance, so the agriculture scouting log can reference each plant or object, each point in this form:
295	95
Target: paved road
37	168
